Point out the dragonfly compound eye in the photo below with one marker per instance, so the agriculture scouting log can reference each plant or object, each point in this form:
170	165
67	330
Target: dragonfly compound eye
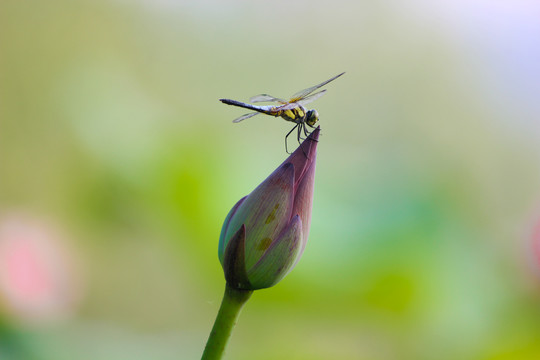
312	117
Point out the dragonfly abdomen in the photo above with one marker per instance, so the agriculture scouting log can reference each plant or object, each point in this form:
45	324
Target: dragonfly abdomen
263	109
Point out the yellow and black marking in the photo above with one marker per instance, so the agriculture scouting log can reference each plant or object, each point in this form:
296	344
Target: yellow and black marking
295	115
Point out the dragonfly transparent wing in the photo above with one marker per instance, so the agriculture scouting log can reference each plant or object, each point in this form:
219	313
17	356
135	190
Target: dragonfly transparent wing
304	101
244	117
303	93
287	106
312	97
266	97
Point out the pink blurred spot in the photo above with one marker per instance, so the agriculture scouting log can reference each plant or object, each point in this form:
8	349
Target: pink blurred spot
36	277
26	271
536	242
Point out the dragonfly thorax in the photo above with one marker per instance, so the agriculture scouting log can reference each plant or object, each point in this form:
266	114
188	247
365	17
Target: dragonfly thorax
296	114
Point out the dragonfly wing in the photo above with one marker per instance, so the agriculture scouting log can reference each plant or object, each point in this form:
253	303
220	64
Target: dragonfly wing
304	101
303	93
266	97
287	107
244	117
312	97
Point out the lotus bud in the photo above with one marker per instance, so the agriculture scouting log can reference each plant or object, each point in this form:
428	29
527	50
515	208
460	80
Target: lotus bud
266	232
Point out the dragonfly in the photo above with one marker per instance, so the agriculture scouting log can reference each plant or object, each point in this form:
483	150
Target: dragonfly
292	110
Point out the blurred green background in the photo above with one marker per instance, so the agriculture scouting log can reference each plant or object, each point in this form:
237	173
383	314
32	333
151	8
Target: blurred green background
118	165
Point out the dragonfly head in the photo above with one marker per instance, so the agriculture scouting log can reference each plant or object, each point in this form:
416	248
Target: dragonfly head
312	117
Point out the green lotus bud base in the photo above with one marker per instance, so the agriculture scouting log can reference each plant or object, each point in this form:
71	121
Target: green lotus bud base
231	305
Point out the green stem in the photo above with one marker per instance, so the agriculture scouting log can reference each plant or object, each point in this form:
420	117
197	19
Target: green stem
231	305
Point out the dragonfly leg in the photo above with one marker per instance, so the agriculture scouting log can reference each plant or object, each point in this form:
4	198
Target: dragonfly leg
306	134
306	131
301	125
286	136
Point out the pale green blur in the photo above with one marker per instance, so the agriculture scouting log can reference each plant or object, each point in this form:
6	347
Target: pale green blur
426	187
